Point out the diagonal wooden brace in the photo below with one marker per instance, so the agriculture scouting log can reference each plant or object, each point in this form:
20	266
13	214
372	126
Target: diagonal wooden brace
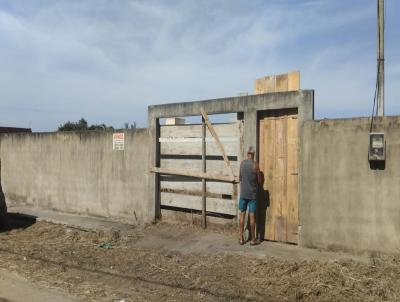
215	136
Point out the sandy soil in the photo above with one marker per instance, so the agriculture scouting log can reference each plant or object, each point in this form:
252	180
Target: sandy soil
13	288
115	266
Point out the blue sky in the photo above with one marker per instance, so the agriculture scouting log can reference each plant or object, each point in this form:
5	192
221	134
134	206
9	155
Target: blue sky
107	60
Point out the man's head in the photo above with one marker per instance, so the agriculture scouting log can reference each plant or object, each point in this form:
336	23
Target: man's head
250	153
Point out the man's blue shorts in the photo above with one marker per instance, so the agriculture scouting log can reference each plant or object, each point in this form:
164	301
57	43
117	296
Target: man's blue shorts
243	202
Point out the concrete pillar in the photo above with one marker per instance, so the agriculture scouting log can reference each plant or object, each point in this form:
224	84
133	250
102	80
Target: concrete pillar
250	130
154	198
306	107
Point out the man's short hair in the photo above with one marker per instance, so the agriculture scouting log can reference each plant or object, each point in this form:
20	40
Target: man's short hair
251	150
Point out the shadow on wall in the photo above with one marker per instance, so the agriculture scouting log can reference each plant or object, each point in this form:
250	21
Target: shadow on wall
262	205
10	221
3	205
3	208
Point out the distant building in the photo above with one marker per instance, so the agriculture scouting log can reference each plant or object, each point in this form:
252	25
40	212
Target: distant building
14	130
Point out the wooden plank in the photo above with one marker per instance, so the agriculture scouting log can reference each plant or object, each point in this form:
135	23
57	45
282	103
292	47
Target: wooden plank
186	139
281	181
199	193
262	201
265	85
193	131
172	216
223	206
175	121
294	81
230	139
203	181
207	175
261	146
259	86
213	187
278	83
269	170
281	175
292	181
270	84
277	182
214	134
194	148
236	186
157	176
281	83
213	166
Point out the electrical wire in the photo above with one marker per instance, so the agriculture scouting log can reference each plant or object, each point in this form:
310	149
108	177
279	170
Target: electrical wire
374	105
380	61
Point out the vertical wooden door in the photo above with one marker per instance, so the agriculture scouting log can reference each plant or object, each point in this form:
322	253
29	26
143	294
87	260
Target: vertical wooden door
278	161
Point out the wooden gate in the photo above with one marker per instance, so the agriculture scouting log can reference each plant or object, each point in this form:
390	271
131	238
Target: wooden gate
181	151
278	146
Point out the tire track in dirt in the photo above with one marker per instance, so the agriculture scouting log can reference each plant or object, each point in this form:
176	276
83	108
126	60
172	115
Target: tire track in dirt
57	256
129	277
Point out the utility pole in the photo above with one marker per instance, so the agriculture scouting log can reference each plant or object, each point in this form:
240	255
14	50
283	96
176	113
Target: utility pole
381	59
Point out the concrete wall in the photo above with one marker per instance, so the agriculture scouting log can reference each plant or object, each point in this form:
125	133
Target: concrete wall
78	172
344	203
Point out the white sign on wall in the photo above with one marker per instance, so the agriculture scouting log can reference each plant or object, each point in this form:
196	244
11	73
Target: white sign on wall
118	141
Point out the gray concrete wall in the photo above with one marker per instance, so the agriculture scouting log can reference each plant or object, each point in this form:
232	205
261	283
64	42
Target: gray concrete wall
344	204
78	172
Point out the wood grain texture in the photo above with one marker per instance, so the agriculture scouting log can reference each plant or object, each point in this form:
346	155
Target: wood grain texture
187	147
213	166
223	206
281	83
219	144
278	83
279	164
265	85
269	170
261	147
293	81
207	175
173	216
193	131
204	168
182	177
187	139
280	192
213	187
292	180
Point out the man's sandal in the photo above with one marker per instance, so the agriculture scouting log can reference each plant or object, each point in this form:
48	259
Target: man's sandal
241	242
255	242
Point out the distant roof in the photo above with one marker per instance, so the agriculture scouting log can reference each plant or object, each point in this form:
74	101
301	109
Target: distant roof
14	130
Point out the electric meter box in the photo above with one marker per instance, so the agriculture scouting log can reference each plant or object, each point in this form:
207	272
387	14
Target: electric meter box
377	146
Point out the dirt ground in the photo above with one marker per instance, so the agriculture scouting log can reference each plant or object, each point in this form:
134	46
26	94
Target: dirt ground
118	266
14	288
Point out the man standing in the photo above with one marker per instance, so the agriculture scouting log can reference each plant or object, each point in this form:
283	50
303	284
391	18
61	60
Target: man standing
249	178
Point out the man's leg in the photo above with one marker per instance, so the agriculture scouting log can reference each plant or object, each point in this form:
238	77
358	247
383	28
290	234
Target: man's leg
252	214
252	226
241	226
242	209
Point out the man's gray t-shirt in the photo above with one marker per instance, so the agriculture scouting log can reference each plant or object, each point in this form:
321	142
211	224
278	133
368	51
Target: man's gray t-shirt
248	180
